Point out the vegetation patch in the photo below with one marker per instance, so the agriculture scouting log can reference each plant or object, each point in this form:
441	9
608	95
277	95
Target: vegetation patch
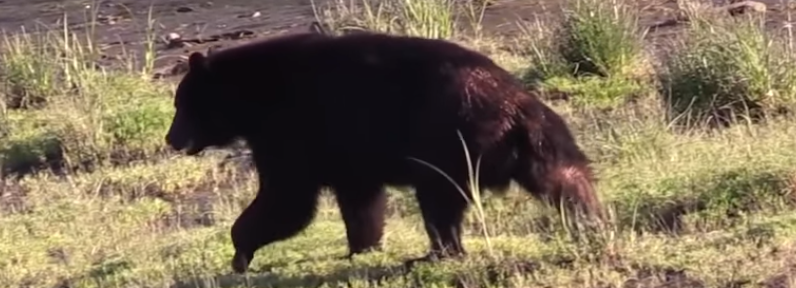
728	70
594	54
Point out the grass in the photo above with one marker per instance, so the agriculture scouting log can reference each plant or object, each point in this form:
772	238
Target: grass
596	48
749	80
90	198
430	19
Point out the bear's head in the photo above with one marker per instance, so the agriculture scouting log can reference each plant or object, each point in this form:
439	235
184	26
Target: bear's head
201	119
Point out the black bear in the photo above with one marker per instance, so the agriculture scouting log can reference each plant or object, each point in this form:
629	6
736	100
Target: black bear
358	112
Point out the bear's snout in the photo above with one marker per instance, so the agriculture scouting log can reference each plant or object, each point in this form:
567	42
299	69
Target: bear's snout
176	142
177	137
179	143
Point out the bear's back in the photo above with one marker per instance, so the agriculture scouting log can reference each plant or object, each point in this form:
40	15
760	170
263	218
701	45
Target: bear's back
362	103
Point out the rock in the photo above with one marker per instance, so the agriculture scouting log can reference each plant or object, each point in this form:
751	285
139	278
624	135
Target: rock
173	36
734	8
741	7
253	15
174	40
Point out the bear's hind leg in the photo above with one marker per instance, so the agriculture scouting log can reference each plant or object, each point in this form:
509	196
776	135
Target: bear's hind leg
362	206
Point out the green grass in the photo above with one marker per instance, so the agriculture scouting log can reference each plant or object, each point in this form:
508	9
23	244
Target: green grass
729	70
85	116
120	211
595	54
600	38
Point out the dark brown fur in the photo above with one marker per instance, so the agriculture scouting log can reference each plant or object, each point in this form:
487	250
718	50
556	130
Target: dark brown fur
350	112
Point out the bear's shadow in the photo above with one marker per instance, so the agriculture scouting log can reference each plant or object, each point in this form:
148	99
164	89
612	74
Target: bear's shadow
268	279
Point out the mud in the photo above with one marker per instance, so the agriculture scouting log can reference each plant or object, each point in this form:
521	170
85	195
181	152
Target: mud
122	24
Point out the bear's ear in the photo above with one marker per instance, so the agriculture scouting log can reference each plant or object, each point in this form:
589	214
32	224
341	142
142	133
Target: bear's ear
197	62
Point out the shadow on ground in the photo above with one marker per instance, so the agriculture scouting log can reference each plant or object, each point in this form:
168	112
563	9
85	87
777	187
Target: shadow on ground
341	277
494	275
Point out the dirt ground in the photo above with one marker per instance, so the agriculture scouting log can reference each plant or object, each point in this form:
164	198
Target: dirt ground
231	21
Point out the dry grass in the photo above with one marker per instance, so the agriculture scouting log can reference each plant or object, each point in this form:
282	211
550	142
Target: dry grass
695	206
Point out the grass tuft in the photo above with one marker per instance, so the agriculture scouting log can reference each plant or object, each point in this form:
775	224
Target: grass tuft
601	38
728	70
594	55
429	19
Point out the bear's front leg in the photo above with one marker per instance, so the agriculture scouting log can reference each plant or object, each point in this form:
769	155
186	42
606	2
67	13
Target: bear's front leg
281	210
443	208
362	206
